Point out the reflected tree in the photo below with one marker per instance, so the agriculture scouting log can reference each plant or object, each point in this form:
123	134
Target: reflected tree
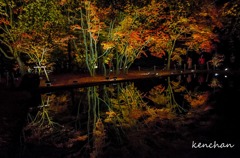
165	95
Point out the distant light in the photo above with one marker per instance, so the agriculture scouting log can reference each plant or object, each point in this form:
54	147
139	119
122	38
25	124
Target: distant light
225	76
216	74
226	69
192	70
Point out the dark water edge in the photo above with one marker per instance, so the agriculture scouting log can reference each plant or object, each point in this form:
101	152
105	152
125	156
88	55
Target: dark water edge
166	139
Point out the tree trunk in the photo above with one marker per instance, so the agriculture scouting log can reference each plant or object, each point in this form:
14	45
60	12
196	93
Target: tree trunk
169	62
21	66
69	55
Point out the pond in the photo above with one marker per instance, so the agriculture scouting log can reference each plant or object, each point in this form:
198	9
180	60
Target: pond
191	115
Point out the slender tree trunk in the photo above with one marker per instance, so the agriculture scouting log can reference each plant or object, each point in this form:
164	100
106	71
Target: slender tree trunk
21	66
169	62
69	55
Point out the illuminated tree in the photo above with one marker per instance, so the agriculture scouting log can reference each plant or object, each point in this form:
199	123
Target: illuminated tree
126	44
10	32
98	33
204	26
175	28
86	22
29	29
230	17
40	24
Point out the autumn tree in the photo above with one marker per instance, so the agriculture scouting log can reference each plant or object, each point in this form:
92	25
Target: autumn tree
229	13
117	42
175	28
29	29
86	25
41	24
204	28
127	42
10	32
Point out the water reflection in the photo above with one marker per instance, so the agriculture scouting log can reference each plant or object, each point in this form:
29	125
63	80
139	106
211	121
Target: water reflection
117	120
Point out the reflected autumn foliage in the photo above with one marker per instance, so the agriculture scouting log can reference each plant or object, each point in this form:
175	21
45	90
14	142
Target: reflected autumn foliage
215	83
45	123
126	107
165	95
197	99
101	115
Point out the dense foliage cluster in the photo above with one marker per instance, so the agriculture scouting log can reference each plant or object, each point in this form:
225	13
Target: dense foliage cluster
95	35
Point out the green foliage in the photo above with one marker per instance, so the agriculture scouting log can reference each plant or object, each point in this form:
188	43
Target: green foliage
40	14
10	33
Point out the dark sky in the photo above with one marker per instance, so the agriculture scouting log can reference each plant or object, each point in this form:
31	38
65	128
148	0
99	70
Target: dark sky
220	2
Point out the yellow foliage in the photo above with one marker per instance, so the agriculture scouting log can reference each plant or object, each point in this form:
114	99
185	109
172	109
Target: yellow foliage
108	45
99	139
157	95
176	57
177	87
127	107
157	114
126	24
57	103
215	83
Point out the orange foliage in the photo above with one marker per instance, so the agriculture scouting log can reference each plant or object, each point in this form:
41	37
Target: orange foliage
197	100
194	29
136	114
4	21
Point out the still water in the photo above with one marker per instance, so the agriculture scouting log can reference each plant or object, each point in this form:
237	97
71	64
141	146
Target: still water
159	117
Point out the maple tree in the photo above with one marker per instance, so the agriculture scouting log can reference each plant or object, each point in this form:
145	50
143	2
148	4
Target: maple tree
206	22
175	28
126	44
10	32
40	24
29	31
86	25
105	40
94	33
